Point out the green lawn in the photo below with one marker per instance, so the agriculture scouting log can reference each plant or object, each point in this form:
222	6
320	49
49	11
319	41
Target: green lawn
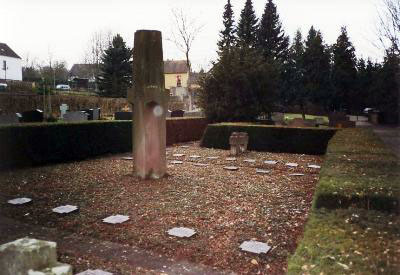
289	116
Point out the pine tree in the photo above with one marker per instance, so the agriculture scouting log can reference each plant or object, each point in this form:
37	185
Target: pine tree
317	67
294	75
116	69
271	38
227	35
247	27
344	73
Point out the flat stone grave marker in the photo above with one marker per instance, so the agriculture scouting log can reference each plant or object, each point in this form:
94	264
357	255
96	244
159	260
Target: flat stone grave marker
65	209
314	166
290	164
178	155
255	247
181	232
250	160
230	159
76	116
200	164
195	157
94	272
231	168
262	171
176	162
185	146
270	162
127	158
296	175
213	157
19	201
116	219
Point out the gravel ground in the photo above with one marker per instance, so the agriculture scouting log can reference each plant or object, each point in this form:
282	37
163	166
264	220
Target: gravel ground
224	207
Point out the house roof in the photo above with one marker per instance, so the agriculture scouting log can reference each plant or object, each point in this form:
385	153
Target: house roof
5	50
175	67
83	70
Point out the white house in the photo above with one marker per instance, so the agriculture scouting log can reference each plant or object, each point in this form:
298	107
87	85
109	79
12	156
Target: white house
10	64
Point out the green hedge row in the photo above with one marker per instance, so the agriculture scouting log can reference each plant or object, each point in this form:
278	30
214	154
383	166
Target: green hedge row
358	171
345	233
311	141
36	144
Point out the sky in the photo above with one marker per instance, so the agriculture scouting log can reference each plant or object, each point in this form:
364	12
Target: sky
62	28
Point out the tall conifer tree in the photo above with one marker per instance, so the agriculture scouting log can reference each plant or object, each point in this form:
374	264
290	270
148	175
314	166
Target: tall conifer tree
227	35
247	27
317	68
344	73
116	69
271	38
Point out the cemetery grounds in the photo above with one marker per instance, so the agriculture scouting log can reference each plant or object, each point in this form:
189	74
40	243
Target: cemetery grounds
224	207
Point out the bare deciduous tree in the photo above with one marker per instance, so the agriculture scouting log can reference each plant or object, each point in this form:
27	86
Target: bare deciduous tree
97	44
185	33
389	25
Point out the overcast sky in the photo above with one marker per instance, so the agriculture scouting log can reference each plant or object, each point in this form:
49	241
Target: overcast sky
63	27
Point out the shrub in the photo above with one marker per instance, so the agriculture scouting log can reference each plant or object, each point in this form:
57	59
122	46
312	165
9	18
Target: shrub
41	143
311	141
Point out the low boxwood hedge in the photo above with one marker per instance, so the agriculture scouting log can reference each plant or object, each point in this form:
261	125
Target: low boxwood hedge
358	171
312	141
35	144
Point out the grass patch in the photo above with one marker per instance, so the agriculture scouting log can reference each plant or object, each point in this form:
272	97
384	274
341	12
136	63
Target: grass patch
353	241
359	171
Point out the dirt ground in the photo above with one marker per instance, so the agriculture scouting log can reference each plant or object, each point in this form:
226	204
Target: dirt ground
224	207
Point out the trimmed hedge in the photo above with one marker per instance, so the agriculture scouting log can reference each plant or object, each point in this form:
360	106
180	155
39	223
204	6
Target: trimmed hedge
312	141
358	171
362	175
352	241
36	144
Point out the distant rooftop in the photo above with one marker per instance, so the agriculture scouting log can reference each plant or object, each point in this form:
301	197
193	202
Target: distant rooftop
5	50
175	67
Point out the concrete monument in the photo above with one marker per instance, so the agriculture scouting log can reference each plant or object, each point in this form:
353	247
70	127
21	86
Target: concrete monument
149	99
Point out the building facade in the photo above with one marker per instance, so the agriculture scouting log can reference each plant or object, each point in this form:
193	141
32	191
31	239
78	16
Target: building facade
10	64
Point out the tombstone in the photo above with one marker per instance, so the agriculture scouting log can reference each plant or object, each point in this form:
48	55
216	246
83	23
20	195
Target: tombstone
340	120
94	272
193	114
169	113
123	115
93	114
75	116
63	109
320	121
31	256
32	116
10	118
255	247
238	142
150	101
177	113
116	219
181	232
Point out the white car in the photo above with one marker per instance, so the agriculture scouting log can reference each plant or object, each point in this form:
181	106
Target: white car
63	87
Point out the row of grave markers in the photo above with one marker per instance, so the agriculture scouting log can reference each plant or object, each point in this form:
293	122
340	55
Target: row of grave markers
180	232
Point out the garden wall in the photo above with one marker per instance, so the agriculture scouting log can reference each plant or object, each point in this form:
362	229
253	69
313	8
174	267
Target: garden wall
34	144
311	141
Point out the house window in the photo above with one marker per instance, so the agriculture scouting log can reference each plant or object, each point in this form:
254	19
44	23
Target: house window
4	65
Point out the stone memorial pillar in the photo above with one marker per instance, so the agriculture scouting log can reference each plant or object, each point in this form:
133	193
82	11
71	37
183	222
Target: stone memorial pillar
150	100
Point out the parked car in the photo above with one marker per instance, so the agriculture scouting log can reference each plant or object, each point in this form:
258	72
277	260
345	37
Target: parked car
63	87
3	87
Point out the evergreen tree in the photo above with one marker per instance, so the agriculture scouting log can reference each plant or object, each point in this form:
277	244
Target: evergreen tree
227	35
236	88
294	76
344	74
116	69
271	38
247	27
317	67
